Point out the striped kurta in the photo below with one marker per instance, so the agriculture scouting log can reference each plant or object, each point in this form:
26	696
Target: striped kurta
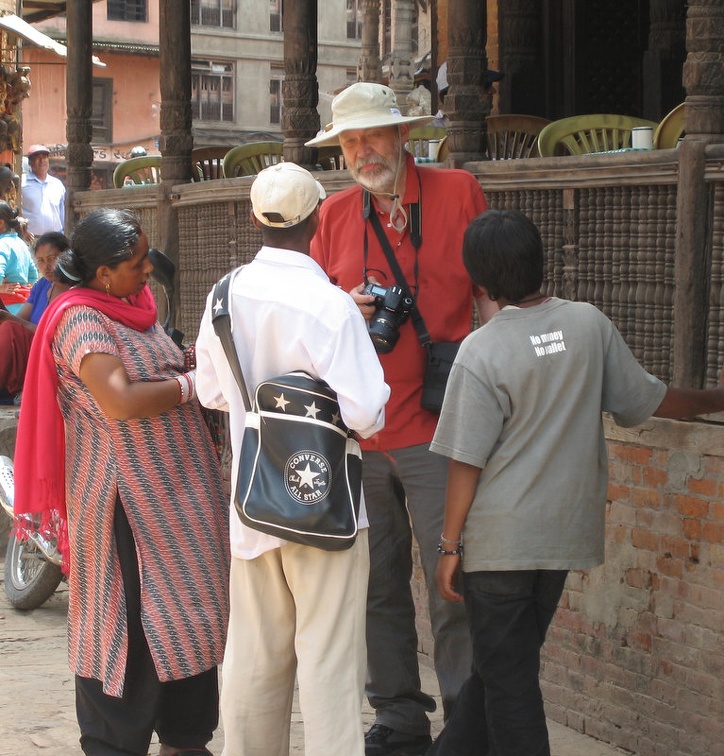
166	473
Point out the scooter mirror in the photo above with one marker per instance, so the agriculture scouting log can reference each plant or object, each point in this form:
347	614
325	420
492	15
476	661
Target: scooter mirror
163	270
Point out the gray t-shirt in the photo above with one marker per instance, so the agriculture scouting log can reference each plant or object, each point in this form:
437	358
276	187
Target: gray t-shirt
524	403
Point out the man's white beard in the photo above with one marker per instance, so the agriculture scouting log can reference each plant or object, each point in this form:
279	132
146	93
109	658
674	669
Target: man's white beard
382	182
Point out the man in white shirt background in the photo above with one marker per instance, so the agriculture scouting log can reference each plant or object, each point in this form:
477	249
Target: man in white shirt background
43	195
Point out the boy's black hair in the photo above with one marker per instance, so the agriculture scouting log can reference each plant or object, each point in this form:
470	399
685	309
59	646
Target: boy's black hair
503	253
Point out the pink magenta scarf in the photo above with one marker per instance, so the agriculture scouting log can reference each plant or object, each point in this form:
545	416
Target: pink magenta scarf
40	446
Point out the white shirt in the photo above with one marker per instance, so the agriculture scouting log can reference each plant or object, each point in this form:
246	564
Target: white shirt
286	315
43	203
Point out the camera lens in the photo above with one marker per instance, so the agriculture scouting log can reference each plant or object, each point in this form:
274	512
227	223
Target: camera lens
384	334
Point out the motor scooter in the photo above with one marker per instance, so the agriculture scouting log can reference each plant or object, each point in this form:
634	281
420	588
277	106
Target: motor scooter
32	562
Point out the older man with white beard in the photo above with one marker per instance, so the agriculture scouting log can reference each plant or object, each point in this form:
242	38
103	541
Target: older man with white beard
420	214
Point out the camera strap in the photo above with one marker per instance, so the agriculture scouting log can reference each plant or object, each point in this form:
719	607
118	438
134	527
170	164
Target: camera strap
415	238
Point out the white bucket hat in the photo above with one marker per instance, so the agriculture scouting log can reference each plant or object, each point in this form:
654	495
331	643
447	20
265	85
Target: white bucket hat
284	194
363	105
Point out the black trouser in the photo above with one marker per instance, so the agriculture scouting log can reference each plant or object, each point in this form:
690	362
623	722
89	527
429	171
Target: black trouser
499	711
184	713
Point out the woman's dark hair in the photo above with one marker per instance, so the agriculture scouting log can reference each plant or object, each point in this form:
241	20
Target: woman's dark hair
9	215
54	238
105	236
503	253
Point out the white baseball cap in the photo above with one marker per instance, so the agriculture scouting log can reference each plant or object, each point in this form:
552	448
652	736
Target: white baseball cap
284	194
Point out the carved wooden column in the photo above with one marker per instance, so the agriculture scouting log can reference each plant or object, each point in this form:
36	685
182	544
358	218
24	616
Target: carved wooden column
401	73
664	57
300	90
79	103
368	68
466	66
176	137
519	30
175	63
704	83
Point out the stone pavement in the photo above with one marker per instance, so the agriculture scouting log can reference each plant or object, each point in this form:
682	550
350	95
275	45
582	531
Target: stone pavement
37	715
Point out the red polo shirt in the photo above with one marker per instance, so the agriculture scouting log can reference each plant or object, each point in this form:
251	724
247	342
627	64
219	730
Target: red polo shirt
450	200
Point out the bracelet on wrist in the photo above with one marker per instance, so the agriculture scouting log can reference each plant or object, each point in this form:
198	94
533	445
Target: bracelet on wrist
450	552
186	387
449	540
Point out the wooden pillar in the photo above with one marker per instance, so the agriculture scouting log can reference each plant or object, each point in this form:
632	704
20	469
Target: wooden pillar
519	35
664	57
176	136
368	68
300	90
466	65
401	73
704	83
79	103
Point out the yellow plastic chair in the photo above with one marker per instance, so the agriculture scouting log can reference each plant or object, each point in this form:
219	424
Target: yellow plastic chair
137	171
595	132
418	141
208	163
670	130
249	159
514	136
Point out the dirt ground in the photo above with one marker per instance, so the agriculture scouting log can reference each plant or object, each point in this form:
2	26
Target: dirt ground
38	714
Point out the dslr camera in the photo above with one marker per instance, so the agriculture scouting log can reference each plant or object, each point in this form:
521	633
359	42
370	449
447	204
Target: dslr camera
393	306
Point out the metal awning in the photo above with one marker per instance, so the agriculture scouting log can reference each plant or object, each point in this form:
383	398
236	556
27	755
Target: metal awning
15	25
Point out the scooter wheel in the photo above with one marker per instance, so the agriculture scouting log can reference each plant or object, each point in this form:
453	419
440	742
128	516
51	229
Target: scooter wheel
30	579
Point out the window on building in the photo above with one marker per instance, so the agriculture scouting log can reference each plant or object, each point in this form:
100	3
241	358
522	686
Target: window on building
213	13
276	8
212	91
354	19
126	10
276	104
102	113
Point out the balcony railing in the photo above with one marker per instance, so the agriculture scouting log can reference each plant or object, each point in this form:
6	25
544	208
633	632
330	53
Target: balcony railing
608	224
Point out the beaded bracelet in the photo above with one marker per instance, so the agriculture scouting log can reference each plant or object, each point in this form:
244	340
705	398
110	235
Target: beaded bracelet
450	552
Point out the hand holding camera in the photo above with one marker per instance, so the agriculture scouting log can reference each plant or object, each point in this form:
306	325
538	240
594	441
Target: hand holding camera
393	306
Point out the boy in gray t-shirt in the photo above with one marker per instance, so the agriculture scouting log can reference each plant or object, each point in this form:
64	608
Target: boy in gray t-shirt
521	424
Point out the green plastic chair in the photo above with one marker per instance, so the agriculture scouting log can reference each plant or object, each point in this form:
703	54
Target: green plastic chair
208	163
249	159
418	141
140	170
512	136
670	130
595	132
330	158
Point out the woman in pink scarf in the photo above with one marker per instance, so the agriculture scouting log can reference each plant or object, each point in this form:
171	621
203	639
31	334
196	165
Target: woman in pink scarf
112	438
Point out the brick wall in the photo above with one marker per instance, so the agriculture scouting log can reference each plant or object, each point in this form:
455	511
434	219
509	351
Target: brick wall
635	654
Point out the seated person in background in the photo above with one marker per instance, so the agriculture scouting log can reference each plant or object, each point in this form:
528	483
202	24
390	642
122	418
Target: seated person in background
17	268
16	331
442	86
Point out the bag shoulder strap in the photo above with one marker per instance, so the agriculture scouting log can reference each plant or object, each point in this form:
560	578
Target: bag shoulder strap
221	320
416	239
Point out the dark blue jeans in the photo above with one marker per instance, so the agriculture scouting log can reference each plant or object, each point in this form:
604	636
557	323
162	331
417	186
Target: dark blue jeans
499	711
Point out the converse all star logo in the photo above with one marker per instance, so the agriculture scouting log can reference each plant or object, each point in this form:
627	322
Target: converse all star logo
307	477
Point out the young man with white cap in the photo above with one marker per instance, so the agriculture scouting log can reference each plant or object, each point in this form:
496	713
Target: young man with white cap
295	610
423	213
43	195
